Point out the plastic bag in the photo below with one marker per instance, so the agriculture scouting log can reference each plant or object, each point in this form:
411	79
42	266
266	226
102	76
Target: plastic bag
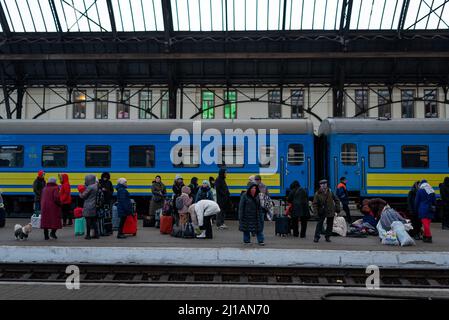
36	221
388	238
402	235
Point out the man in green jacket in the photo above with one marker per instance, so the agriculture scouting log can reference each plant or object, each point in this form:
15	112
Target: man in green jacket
325	205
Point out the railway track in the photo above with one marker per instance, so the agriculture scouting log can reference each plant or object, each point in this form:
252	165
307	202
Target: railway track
348	277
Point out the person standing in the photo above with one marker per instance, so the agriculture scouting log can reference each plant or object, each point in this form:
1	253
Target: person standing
300	208
158	191
124	205
106	186
223	198
424	204
444	194
90	206
2	211
204	192
187	200
212	188
325	205
251	218
177	186
416	222
50	209
343	196
38	186
66	199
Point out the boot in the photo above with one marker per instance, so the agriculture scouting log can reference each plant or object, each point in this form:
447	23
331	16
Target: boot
202	235
427	239
53	235
46	234
328	239
121	236
316	239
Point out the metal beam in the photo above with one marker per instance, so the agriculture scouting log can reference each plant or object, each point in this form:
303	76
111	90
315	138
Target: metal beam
112	18
4	22
168	22
223	55
345	18
403	15
55	15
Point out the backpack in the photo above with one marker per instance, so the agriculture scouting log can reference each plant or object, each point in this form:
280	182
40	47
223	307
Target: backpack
179	203
99	199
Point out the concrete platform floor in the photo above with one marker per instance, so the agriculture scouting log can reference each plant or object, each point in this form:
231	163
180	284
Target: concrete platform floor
230	238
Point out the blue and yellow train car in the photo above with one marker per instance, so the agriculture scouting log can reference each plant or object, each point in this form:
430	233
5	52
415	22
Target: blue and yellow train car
383	158
141	149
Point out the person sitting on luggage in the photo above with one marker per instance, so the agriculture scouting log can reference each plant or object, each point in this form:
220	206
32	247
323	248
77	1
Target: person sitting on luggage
201	214
251	217
124	205
204	193
325	205
300	208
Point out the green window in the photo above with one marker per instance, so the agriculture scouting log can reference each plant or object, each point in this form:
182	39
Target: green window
230	108
207	103
145	101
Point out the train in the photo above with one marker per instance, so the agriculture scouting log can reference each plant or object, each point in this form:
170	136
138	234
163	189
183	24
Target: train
379	158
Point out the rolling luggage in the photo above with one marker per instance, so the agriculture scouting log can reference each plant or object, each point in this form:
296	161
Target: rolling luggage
105	222
166	224
282	225
80	226
130	226
115	218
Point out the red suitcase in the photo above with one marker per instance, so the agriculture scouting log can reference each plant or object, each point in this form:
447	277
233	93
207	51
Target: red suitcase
130	226
166	224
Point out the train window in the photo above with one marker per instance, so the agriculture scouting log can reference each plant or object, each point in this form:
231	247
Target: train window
348	155
295	155
376	156
232	157
11	156
141	156
415	156
98	156
267	155
185	157
54	156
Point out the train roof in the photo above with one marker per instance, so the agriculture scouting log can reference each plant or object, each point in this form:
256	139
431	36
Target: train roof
384	126
153	126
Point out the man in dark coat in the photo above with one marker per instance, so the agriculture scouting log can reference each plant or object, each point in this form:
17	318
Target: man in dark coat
251	218
124	205
108	189
325	205
50	209
194	187
300	208
38	186
223	198
343	196
444	193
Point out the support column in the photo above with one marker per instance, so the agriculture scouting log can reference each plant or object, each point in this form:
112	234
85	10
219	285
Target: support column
172	97
19	106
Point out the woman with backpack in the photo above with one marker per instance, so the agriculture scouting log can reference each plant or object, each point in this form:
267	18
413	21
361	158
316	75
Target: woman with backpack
90	205
425	204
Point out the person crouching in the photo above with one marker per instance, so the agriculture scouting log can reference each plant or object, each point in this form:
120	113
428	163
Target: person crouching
201	214
124	205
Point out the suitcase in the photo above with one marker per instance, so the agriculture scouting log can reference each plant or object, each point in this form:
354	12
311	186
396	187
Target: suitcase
105	223
130	226
282	225
115	218
80	226
166	224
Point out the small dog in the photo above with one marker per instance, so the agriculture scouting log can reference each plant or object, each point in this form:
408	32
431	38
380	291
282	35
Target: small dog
21	233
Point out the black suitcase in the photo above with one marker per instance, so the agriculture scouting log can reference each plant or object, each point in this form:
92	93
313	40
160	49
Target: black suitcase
282	225
105	223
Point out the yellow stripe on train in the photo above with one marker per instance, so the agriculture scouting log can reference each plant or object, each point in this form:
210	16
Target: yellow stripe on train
403	179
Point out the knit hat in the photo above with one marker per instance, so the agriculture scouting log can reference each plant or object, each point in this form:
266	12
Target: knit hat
257	177
206	182
185	189
52	180
41	173
121	181
178	176
323	181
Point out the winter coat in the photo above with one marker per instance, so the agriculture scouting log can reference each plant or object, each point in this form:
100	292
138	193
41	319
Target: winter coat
223	195
64	191
187	201
204	194
177	189
298	198
325	204
342	193
38	186
424	203
194	189
124	204
107	188
250	213
411	200
51	207
90	196
157	200
205	208
444	191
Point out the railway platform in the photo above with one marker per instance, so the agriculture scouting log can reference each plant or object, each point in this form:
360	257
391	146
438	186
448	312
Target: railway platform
149	247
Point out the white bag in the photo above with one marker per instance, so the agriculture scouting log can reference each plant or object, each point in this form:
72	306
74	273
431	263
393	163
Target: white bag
36	221
403	236
388	238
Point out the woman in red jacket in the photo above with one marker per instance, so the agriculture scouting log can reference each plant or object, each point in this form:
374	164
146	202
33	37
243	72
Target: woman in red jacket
66	199
50	209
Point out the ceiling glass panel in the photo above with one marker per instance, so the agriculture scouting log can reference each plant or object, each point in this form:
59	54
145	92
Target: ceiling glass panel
427	14
83	15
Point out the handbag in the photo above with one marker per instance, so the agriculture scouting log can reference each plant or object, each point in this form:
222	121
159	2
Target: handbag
189	231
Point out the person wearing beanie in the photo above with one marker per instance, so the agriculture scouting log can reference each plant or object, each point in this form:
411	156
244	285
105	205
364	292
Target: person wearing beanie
106	186
50	209
325	205
158	191
124	205
187	201
194	187
424	204
38	186
204	192
251	180
89	195
343	196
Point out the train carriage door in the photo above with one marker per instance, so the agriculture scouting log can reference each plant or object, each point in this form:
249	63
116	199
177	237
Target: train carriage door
295	165
349	166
